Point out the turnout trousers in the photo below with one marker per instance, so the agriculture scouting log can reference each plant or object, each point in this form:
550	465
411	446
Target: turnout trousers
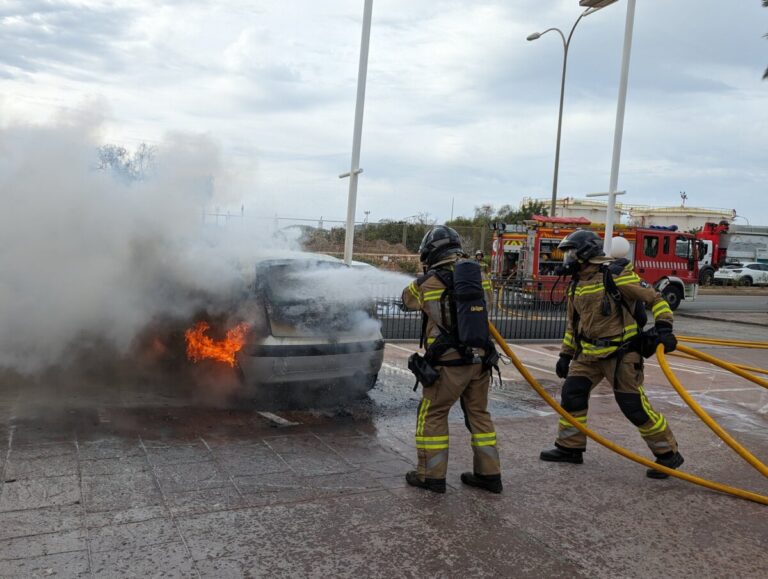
625	375
468	384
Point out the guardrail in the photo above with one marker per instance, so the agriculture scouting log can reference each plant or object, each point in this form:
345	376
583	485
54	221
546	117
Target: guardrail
521	310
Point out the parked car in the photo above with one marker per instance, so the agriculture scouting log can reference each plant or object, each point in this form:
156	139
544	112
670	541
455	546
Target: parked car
746	275
309	340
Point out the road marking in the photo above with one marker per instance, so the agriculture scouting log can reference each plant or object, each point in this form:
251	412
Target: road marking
396	369
535	351
545	370
278	421
401	348
725	390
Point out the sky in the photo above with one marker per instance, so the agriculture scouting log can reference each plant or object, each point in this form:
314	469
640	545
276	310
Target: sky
460	108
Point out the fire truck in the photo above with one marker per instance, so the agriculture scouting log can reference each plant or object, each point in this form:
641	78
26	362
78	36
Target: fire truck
713	249
526	256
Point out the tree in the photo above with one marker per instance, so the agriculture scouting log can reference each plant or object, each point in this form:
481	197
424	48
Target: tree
125	165
508	215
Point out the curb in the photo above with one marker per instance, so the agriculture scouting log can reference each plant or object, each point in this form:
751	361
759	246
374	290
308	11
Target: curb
714	319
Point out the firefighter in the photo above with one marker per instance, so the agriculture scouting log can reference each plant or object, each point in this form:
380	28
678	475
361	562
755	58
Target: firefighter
603	339
462	373
480	259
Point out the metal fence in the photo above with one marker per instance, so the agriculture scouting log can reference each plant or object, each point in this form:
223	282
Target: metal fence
521	310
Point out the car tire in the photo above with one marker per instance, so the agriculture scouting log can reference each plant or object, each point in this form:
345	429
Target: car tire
745	281
707	277
673	295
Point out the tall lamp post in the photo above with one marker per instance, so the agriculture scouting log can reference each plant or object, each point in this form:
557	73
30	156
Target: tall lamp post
592	7
357	133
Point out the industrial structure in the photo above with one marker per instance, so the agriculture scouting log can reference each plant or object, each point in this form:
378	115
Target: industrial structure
686	218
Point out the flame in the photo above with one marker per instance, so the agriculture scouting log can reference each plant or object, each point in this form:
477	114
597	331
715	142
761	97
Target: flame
201	347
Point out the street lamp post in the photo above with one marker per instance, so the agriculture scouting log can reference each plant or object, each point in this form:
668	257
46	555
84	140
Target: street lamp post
619	130
591	8
355	169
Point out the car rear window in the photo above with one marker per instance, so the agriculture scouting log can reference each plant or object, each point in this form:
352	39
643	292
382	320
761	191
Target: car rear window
295	303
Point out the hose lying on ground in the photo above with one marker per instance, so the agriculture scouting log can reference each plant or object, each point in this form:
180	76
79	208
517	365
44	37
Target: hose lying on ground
610	445
701	413
719	342
723	364
752	369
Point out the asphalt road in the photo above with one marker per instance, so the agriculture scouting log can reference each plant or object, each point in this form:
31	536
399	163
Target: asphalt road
710	303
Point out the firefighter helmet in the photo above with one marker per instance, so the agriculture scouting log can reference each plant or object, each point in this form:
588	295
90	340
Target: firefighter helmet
439	242
579	247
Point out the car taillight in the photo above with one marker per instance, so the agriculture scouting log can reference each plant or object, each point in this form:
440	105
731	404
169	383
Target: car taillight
737	270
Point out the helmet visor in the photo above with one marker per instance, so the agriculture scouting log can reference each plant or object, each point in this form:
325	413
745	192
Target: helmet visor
570	257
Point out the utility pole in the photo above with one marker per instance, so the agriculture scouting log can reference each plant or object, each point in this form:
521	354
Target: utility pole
355	169
619	131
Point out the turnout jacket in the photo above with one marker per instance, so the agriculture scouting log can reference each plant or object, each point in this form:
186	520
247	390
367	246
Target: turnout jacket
425	293
591	333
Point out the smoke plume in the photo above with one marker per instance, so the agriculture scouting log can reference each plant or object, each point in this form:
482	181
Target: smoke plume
87	255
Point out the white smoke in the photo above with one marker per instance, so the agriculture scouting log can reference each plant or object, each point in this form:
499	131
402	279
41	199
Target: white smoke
86	254
83	253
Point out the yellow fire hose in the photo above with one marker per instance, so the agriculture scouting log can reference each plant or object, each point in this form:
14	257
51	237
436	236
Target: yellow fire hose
752	369
723	364
610	445
718	342
701	413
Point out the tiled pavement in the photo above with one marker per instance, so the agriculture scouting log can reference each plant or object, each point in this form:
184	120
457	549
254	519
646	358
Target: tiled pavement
176	491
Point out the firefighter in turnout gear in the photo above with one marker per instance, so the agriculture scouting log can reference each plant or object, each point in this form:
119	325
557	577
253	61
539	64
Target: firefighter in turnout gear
452	370
604	338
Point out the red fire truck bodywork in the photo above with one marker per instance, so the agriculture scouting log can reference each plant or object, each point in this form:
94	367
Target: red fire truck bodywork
713	250
663	257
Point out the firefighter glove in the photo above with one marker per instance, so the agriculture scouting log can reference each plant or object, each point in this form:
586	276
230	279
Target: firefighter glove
666	337
561	368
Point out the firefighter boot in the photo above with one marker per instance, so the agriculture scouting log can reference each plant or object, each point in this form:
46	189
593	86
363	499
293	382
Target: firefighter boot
670	460
558	454
436	485
489	482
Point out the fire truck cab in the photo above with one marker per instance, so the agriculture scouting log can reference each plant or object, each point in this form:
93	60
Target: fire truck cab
662	256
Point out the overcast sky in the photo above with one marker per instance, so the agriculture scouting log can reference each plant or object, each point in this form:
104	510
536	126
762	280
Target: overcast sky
458	104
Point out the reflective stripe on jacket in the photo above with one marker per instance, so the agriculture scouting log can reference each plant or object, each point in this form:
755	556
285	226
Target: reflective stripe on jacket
601	335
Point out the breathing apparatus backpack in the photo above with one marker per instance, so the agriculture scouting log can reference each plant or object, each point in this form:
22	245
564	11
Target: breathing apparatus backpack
463	304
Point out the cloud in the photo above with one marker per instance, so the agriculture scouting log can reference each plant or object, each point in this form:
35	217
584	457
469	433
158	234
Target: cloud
458	103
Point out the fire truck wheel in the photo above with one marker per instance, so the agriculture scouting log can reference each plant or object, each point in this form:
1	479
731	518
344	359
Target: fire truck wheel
707	277
673	295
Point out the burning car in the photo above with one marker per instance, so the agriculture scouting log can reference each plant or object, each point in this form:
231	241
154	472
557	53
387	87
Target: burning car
304	331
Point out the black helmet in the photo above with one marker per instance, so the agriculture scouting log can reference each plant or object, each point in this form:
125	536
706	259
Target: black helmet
439	243
579	247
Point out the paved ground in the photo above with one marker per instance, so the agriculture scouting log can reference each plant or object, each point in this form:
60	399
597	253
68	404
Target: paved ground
708	301
121	481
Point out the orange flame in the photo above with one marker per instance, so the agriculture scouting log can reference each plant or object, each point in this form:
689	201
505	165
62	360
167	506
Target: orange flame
200	346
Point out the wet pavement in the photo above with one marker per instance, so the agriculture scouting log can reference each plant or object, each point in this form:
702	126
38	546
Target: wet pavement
142	482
